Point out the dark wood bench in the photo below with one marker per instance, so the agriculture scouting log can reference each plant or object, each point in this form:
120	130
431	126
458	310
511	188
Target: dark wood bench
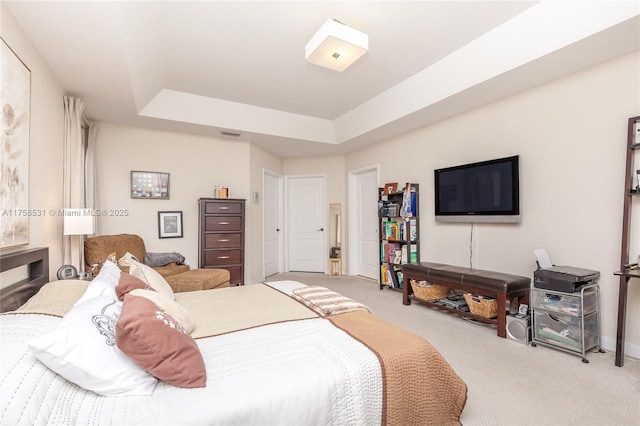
498	285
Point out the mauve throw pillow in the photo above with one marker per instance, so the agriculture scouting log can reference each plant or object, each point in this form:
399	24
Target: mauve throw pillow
156	342
128	283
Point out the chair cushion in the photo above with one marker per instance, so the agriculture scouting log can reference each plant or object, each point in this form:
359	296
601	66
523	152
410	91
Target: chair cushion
171	269
199	279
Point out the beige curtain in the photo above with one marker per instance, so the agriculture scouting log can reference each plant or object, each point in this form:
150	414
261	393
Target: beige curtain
73	174
91	189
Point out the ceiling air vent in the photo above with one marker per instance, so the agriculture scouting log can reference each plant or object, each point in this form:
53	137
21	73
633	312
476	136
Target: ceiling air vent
231	134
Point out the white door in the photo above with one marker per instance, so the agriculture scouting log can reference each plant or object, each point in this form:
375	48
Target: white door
272	224
306	224
365	218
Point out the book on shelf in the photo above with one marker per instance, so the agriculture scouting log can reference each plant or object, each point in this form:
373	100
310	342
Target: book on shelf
391	230
382	208
413	230
387	208
413	202
397	256
391	252
400	277
393	278
413	254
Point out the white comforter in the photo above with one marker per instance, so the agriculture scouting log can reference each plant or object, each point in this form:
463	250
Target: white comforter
294	373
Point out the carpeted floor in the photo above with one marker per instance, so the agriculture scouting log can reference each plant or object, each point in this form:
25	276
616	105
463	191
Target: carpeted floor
509	383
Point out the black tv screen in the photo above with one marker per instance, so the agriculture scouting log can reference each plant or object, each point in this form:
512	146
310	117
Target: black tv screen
487	191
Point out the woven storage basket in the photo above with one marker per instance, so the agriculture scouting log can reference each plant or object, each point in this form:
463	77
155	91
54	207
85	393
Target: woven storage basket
427	291
481	305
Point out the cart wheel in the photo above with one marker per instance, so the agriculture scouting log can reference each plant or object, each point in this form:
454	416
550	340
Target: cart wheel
533	345
586	361
602	351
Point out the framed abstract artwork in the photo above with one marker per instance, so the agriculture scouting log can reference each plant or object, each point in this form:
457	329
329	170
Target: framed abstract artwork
15	100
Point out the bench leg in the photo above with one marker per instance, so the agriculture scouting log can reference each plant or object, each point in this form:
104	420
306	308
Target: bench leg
502	315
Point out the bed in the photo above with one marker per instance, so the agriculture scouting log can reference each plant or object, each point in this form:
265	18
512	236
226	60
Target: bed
280	353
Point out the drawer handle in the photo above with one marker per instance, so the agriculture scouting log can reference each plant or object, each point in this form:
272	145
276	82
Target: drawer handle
223	241
223	223
223	257
223	208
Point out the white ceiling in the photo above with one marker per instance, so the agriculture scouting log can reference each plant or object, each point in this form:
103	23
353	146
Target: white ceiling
206	66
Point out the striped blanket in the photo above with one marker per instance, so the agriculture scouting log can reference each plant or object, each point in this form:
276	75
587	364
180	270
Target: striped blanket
327	302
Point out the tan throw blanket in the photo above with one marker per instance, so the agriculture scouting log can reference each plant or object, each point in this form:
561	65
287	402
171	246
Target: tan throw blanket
420	387
231	309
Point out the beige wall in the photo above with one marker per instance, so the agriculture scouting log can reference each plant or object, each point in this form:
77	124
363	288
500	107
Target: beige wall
570	135
46	132
195	164
261	161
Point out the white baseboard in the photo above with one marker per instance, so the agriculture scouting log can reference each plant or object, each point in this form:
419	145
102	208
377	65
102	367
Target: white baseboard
630	350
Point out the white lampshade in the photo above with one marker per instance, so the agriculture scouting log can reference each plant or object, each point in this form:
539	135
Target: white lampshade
336	46
78	222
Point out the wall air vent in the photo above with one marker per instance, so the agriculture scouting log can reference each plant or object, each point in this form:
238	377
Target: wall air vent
230	134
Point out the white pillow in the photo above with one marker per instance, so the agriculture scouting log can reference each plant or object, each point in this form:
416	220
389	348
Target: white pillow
82	347
151	277
171	307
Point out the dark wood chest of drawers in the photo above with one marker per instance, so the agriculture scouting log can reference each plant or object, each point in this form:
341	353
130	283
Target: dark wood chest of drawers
221	236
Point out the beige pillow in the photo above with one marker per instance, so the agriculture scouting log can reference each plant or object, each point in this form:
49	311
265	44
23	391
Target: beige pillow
152	339
170	306
125	261
151	277
112	258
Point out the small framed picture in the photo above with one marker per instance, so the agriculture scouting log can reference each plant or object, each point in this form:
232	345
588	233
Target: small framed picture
170	224
150	185
390	188
636	133
335	252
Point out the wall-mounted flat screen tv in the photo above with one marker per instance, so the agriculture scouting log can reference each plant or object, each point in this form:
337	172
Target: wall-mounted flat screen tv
487	191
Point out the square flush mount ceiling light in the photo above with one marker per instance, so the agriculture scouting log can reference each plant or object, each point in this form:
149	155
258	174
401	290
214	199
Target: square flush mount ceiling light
336	46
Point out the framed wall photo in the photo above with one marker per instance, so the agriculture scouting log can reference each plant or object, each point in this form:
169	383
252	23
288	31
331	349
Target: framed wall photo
390	188
150	185
170	224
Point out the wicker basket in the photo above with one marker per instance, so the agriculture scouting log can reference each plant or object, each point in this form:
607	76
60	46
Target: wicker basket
427	291
480	305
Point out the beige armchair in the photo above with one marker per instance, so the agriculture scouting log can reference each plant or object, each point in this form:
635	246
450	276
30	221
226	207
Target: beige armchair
97	249
179	277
